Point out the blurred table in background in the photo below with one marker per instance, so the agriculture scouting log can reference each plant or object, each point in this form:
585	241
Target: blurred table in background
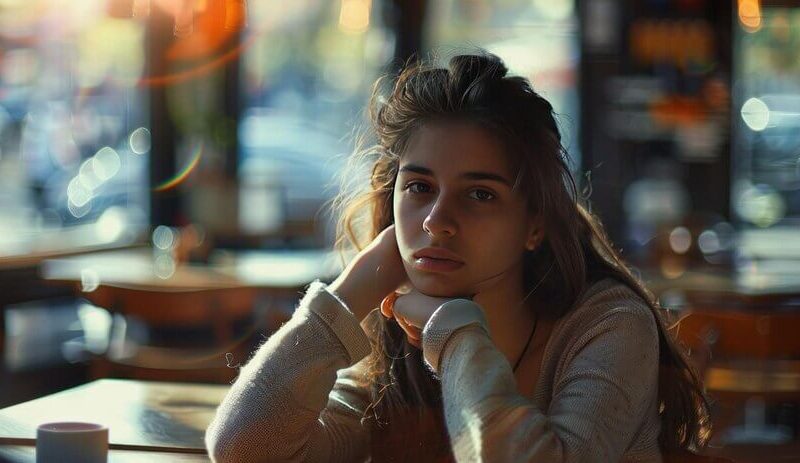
740	327
21	250
195	320
167	419
279	270
759	286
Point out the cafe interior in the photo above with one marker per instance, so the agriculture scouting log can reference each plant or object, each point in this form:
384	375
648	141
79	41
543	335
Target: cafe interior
167	169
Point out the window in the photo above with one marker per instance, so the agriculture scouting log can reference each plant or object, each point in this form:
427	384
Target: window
765	192
306	77
766	188
74	139
536	39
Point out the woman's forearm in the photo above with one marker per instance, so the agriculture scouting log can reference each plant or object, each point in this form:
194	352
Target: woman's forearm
272	411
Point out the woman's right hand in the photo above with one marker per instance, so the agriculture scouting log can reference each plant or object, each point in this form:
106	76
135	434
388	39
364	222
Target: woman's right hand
375	272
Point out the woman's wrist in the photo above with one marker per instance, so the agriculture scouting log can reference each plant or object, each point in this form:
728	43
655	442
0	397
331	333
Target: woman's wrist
352	299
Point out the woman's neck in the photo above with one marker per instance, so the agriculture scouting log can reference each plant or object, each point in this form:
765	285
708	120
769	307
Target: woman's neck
510	318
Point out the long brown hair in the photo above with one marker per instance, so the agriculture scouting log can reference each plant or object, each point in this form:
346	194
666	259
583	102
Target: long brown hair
476	88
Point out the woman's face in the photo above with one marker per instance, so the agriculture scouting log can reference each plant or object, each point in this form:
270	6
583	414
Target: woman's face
454	192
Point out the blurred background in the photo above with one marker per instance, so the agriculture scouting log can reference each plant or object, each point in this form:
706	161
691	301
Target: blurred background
164	167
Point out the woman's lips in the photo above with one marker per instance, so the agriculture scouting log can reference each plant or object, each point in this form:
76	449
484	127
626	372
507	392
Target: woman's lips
429	264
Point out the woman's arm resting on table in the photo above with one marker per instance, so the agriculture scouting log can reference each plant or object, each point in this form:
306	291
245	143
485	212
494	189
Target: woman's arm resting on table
287	403
598	402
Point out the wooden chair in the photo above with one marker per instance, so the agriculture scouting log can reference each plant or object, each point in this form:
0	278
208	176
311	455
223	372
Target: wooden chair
215	311
747	358
744	352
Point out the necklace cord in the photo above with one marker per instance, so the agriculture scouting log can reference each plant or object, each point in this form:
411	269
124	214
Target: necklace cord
524	350
535	320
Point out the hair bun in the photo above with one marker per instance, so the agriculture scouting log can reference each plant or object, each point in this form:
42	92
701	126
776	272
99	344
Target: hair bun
478	67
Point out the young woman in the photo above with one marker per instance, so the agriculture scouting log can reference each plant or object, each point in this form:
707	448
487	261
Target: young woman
487	319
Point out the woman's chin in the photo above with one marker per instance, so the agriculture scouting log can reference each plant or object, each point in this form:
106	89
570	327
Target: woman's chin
435	285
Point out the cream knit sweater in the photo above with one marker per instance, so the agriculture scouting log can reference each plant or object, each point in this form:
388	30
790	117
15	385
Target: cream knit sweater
300	397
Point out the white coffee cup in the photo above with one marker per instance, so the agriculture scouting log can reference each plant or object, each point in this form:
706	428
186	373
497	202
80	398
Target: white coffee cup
71	442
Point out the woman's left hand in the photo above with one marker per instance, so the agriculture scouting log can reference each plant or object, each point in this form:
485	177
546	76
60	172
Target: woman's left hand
412	311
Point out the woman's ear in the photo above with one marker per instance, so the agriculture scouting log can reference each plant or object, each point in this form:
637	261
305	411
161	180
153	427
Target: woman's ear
535	235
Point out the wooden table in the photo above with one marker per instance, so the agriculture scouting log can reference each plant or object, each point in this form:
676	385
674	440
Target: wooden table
25	454
143	418
751	290
255	291
28	250
269	270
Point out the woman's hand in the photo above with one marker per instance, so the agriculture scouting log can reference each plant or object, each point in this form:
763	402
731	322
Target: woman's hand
375	272
412	309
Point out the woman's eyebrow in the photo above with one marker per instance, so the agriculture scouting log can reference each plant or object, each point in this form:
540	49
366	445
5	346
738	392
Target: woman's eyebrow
468	175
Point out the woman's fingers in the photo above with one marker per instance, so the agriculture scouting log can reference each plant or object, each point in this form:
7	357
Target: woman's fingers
412	330
412	333
387	305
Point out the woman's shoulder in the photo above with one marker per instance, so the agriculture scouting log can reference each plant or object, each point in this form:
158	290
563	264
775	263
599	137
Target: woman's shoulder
610	303
609	321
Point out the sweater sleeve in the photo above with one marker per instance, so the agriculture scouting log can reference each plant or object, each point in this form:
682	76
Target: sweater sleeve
601	394
302	395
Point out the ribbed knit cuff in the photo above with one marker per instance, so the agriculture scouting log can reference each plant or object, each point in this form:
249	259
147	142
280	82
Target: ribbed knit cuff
446	320
339	318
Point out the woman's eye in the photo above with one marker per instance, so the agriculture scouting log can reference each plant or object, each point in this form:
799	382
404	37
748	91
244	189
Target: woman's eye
482	195
414	187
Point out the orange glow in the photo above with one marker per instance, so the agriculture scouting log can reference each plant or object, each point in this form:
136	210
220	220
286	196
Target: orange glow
213	28
208	36
199	70
235	14
750	15
678	111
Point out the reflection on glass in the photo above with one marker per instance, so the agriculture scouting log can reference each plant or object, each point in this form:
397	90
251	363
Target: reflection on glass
306	77
766	188
68	104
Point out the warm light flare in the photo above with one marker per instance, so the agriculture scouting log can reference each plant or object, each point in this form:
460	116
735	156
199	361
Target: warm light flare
141	8
184	18
750	15
354	16
235	15
184	173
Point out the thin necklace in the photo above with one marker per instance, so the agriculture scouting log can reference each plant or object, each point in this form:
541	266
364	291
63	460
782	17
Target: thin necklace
535	320
530	338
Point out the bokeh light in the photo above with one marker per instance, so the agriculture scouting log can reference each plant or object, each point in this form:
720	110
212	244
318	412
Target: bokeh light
87	176
680	240
106	163
111	224
708	242
164	237
139	141
78	193
164	266
755	114
761	205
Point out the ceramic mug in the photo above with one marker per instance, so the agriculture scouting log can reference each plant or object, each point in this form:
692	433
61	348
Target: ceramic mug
71	442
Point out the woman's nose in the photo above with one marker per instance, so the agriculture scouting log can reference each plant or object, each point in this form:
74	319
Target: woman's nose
440	220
